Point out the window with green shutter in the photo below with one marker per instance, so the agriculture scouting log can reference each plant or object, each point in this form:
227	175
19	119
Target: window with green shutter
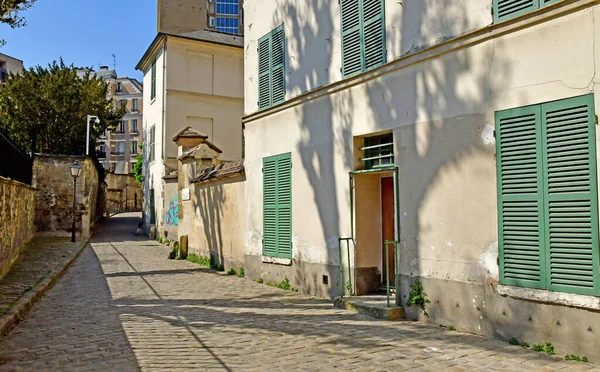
548	196
277	206
271	68
153	80
363	35
507	9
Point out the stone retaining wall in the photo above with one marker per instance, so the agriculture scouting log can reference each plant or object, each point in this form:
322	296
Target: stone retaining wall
17	207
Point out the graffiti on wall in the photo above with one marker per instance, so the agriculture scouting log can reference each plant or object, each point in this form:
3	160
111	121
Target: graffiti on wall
172	217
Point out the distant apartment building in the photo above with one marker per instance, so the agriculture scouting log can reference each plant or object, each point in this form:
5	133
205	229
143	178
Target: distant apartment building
117	149
181	16
9	64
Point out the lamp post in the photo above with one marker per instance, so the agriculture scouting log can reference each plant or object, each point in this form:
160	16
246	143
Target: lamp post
75	172
87	136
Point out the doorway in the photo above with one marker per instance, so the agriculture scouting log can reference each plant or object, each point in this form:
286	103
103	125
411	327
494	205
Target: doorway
387	229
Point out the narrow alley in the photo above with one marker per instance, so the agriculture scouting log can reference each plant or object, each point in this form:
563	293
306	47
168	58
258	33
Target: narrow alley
124	306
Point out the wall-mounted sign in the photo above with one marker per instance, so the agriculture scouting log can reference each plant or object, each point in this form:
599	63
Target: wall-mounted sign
185	194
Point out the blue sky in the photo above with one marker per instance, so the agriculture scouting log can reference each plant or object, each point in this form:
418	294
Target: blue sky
84	33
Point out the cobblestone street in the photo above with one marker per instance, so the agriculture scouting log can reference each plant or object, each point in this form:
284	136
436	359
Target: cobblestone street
124	306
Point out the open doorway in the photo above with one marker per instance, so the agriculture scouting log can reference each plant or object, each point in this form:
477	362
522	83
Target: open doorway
387	229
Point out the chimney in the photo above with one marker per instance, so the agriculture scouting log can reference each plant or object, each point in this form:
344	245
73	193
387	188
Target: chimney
103	68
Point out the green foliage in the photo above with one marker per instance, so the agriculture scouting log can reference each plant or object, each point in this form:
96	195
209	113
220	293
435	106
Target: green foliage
138	167
205	261
285	285
513	341
231	271
260	281
175	251
241	273
45	109
160	239
9	13
548	348
577	358
525	344
451	328
417	297
349	287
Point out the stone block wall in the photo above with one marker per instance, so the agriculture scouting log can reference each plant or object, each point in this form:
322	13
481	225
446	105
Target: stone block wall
17	207
54	196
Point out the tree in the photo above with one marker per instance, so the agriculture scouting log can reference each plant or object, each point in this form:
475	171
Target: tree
139	166
45	109
9	13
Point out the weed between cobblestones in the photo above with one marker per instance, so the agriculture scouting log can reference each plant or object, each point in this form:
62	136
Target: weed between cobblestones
577	358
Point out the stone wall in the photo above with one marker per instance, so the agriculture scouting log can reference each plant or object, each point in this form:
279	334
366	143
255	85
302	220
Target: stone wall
54	196
123	193
17	202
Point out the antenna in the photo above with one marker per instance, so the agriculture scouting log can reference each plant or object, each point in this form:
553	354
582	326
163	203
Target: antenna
114	62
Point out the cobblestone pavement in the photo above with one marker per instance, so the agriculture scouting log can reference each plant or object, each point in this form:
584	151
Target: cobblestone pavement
38	258
123	306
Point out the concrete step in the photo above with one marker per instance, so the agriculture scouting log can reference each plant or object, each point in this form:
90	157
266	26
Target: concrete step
373	305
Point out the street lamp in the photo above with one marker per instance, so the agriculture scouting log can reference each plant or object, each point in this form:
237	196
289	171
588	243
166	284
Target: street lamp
75	172
87	137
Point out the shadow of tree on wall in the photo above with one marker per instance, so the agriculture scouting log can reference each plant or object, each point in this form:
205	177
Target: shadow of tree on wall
210	210
438	110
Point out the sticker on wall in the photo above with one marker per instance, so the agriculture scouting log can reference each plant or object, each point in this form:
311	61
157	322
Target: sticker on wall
185	194
172	217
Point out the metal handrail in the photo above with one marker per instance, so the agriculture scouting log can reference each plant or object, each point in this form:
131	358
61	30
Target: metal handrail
387	271
342	281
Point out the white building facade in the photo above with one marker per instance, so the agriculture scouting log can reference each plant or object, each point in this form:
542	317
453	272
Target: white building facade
464	130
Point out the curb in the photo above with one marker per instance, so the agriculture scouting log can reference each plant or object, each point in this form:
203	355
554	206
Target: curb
22	306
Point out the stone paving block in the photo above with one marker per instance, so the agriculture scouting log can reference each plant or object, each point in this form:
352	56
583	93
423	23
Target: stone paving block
122	307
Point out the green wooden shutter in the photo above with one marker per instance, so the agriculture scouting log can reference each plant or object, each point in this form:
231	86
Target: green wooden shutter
352	46
284	205
548	2
373	33
270	206
520	199
571	195
278	65
264	72
507	9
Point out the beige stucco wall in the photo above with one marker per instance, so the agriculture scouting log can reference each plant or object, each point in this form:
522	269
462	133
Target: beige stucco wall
205	91
179	16
440	106
17	211
213	219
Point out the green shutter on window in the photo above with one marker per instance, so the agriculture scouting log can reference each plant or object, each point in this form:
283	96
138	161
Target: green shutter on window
352	61
271	68
363	35
284	205
571	197
264	72
519	174
270	206
278	65
507	9
277	206
374	33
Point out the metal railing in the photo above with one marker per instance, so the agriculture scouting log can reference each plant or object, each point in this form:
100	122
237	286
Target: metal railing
387	270
14	162
343	284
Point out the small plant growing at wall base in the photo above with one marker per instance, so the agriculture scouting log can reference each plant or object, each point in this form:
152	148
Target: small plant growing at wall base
260	281
451	328
418	297
231	272
577	358
241	273
513	341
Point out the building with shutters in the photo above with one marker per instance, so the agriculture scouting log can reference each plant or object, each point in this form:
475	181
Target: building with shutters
466	132
193	80
181	16
117	149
